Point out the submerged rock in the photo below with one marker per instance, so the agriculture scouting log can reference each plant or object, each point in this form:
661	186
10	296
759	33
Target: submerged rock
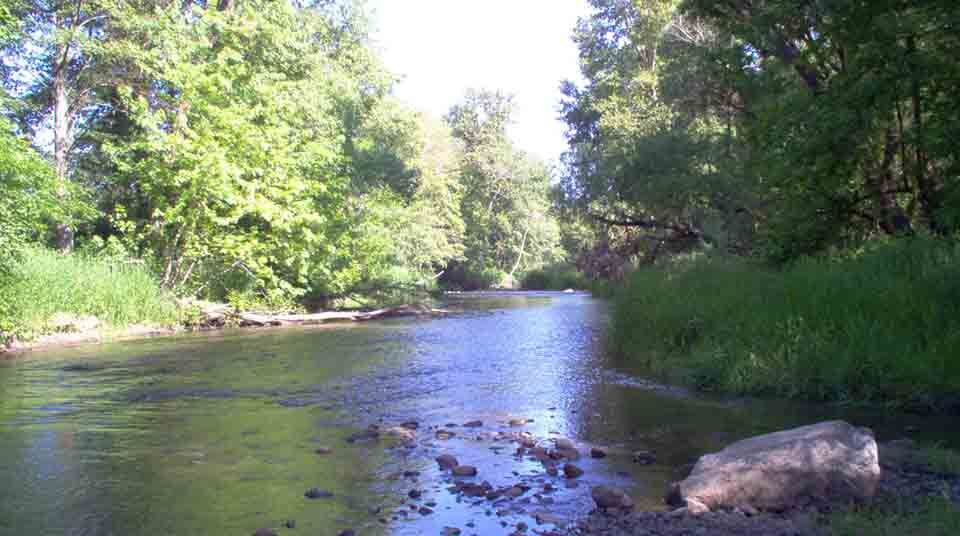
598	453
447	461
831	461
644	457
572	471
608	497
464	470
317	493
366	435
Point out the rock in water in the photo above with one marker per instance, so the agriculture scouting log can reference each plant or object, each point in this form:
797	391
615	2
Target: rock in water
826	461
317	493
447	461
607	497
596	452
465	470
564	444
572	471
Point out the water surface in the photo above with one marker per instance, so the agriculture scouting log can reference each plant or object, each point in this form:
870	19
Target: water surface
216	434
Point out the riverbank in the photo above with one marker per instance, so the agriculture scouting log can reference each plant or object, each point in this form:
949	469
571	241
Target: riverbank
881	326
71	330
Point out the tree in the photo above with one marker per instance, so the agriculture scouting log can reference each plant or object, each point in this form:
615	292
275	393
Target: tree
506	203
62	75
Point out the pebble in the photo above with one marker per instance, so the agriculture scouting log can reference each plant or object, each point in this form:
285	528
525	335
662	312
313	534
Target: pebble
346	532
473	424
598	453
563	443
324	450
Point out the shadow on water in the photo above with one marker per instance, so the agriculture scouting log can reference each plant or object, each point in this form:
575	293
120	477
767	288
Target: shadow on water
216	434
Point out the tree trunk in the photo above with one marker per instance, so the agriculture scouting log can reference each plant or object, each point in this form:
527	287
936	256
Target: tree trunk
61	138
925	185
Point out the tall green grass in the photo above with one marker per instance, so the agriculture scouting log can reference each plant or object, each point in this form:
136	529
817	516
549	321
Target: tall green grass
933	517
45	282
881	325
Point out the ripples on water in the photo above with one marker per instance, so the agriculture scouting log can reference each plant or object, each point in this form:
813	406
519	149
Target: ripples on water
215	434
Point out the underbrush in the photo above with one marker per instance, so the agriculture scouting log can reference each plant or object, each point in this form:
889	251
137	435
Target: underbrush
880	325
557	277
45	283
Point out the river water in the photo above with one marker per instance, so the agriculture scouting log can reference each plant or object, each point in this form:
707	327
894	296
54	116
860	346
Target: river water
216	433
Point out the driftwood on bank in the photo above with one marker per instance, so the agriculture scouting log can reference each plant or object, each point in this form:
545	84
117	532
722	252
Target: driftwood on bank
217	314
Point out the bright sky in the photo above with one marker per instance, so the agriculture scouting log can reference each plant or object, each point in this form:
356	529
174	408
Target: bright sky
523	47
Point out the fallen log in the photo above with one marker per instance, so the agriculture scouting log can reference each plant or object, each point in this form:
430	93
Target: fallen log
259	320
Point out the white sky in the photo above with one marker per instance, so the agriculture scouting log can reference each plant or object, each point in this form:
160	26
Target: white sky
523	47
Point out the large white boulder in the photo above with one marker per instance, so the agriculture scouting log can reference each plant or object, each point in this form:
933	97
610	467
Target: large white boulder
827	461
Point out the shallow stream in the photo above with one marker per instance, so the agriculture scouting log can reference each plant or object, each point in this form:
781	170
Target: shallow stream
212	434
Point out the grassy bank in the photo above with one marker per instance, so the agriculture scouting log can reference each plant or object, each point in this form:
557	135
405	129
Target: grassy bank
882	325
45	284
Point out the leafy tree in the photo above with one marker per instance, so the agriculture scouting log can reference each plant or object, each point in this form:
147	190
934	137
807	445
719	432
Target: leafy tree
506	203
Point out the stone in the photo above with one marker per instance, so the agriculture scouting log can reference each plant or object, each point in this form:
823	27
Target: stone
265	532
598	453
564	444
473	424
828	461
346	532
403	434
514	492
410	425
424	511
608	497
290	524
464	470
569	454
644	457
447	461
317	493
444	434
414	494
572	471
552	470
450	531
518	422
323	450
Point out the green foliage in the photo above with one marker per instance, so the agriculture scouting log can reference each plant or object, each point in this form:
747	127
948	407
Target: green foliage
45	283
933	517
880	325
506	205
771	128
26	196
554	277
